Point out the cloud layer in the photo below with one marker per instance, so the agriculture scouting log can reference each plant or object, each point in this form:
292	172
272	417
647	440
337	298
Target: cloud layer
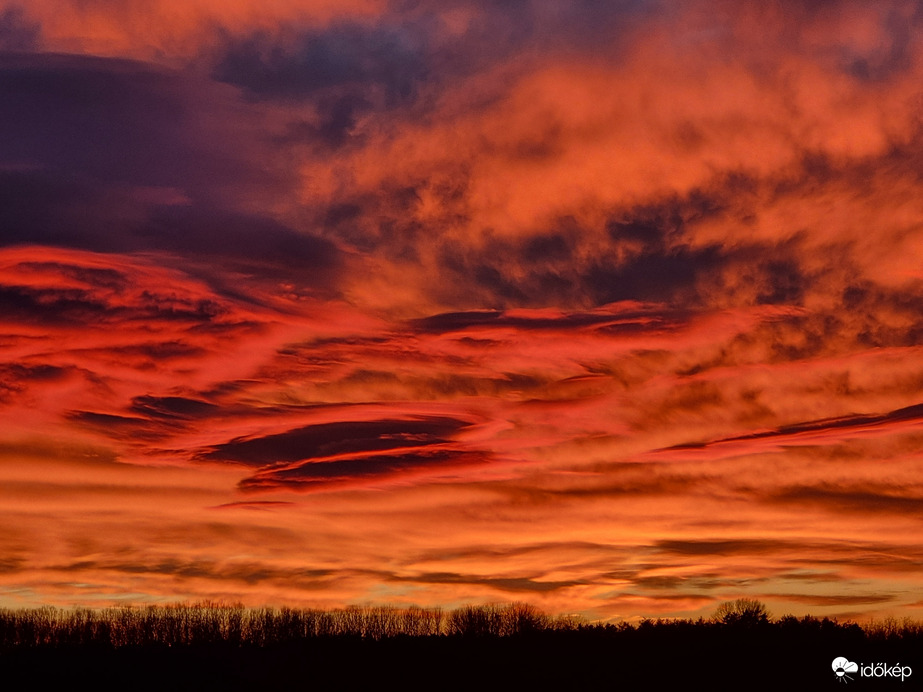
609	307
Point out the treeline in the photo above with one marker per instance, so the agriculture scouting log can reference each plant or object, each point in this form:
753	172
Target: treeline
492	647
237	626
211	623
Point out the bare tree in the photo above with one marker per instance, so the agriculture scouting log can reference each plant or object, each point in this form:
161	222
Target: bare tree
744	612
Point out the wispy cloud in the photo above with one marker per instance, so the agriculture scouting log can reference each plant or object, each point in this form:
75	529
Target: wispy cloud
610	306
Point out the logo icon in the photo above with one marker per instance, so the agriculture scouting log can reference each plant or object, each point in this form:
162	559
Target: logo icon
842	666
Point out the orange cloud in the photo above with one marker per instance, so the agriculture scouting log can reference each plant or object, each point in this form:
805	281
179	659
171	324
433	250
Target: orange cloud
608	308
163	29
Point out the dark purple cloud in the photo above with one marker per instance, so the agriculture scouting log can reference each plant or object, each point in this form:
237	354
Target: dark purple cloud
431	461
173	407
612	320
329	439
843	423
16	32
113	155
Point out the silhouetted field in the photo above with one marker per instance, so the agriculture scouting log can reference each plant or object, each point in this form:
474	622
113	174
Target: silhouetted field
212	646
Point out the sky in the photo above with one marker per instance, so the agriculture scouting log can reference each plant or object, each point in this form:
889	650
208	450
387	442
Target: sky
612	308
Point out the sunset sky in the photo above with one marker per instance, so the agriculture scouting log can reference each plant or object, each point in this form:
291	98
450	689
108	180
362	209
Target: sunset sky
612	307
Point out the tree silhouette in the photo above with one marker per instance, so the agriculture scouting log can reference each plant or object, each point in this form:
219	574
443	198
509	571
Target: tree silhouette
744	612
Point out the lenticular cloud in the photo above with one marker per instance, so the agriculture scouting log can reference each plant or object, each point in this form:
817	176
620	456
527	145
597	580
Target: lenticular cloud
613	307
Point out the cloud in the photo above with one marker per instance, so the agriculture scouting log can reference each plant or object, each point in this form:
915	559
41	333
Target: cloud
854	500
44	450
502	584
108	119
173	407
159	28
105	155
199	569
608	305
351	453
367	470
261	505
812	430
612	319
724	547
10	565
330	439
347	55
844	599
16	32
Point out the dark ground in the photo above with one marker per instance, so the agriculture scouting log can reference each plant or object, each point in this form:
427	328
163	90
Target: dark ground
654	657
